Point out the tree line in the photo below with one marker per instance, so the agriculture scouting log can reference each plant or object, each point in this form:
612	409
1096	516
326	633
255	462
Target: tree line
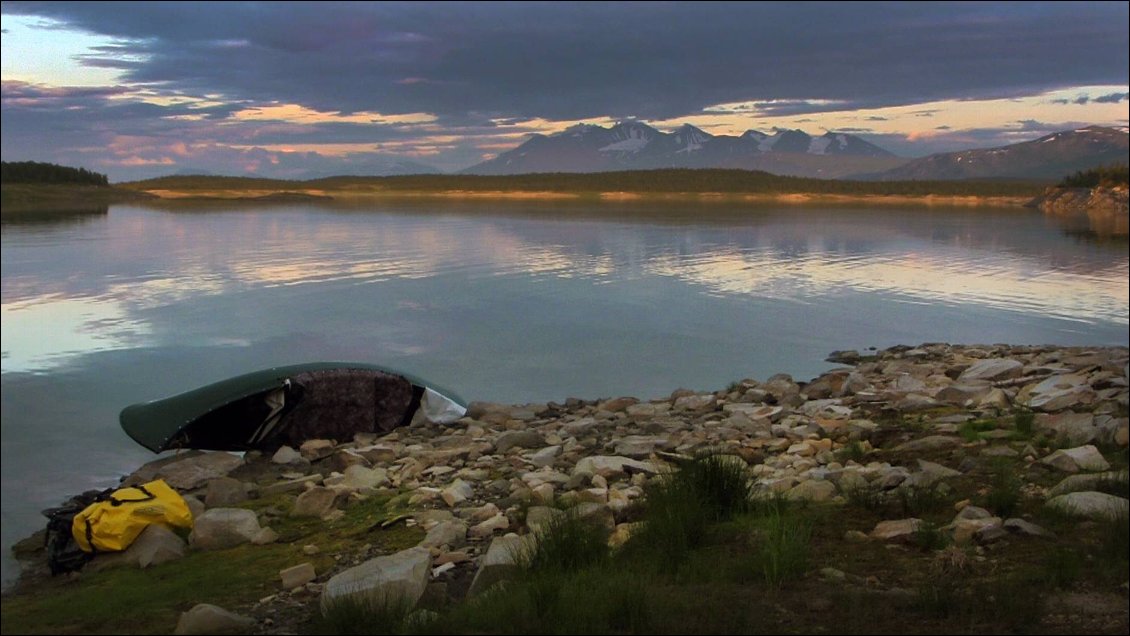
1115	174
37	172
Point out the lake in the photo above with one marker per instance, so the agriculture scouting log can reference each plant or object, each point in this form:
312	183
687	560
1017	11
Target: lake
500	301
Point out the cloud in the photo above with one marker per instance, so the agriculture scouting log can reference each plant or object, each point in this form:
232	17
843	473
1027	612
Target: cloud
566	61
1112	98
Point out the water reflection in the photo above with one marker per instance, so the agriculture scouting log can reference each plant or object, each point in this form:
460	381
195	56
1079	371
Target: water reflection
1099	226
505	302
48	216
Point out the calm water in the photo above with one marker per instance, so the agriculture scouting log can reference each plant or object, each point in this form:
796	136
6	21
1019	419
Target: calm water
506	302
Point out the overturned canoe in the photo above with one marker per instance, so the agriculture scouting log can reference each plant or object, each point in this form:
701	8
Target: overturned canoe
288	405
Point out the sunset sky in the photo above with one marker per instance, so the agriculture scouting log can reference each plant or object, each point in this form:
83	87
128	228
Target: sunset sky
312	89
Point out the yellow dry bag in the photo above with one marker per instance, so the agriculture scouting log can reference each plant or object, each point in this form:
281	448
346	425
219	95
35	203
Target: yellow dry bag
114	522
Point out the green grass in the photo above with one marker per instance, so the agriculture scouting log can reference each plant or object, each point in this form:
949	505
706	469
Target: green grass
1003	497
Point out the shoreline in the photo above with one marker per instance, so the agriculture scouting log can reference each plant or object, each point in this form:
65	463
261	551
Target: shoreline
935	414
796	198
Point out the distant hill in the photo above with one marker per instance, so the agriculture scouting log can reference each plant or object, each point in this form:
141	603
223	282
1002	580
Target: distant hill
1050	157
633	145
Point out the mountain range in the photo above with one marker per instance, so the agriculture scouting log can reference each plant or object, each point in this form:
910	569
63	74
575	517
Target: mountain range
633	145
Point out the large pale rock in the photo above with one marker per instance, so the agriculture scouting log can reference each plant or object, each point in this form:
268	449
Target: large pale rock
156	545
1073	460
452	534
930	473
612	466
502	561
286	455
695	402
188	471
968	392
222	528
1059	392
545	457
812	490
212	619
754	411
488	527
313	449
965	531
456	493
579	427
1090	505
1081	483
315	502
1020	526
647	409
1076	428
225	492
394	580
358	477
897	530
290	485
539	518
296	575
640	446
518	439
993	370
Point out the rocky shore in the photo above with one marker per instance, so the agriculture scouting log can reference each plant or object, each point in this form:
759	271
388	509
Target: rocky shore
1102	200
436	514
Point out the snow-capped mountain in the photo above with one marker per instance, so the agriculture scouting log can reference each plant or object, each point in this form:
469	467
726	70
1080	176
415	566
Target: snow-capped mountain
1049	157
633	145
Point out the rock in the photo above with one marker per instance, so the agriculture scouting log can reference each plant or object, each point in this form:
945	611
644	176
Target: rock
545	456
973	512
222	528
995	399
224	492
358	477
646	409
155	545
1059	392
754	411
188	471
342	459
640	446
695	402
897	530
314	449
929	474
289	485
1090	505
915	402
458	492
538	518
1072	460
488	527
195	506
1020	526
579	427
993	370
452	534
315	502
964	393
1080	483
296	575
518	439
389	581
965	530
211	619
623	533
616	405
1076	428
502	561
812	490
286	455
595	513
929	443
265	536
611	466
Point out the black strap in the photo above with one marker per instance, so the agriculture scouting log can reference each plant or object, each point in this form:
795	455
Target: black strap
90	537
117	502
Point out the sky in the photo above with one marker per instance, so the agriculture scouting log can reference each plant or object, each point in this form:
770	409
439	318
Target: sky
301	90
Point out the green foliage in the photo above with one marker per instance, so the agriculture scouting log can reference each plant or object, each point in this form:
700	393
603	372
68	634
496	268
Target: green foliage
568	544
36	172
853	450
783	547
916	501
362	614
1115	174
1061	567
930	537
1003	496
971	430
1024	420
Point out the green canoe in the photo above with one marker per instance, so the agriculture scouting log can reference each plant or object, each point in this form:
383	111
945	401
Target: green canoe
288	405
